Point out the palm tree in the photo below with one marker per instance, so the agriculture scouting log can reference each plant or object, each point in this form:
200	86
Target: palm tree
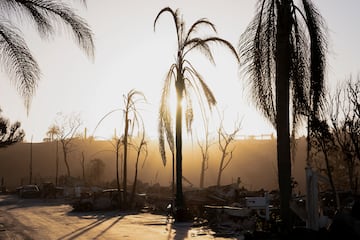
131	121
283	51
186	80
46	15
131	118
53	133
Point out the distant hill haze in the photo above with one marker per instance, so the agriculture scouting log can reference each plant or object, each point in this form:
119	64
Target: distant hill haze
254	162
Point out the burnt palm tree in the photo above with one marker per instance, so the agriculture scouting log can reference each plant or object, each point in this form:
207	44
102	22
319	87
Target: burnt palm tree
46	15
187	80
283	51
132	121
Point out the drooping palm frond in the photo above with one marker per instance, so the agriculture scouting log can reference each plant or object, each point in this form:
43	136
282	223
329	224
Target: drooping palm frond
18	62
189	111
196	25
257	50
46	13
176	19
202	45
165	119
318	46
203	86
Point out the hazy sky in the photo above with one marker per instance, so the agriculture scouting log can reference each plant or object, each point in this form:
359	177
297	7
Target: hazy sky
130	55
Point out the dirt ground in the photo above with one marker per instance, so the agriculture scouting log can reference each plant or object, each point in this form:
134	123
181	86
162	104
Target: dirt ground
27	219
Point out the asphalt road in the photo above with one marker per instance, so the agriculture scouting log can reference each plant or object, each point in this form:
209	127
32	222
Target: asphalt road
28	219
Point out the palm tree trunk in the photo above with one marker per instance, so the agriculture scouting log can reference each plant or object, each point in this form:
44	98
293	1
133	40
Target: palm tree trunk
173	173
178	142
117	170
135	178
283	61
126	130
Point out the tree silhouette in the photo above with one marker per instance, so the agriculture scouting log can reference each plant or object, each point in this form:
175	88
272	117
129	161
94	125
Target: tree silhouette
204	149
141	148
186	80
68	126
345	124
96	170
52	134
225	140
10	133
46	15
283	52
323	141
131	121
131	118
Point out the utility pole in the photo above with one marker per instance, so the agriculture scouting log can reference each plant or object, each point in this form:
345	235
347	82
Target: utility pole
31	161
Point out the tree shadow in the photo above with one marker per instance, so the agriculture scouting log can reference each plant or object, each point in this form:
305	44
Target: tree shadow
101	217
178	231
14	202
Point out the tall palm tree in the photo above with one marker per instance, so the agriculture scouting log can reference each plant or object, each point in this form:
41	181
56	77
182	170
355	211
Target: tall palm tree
186	80
46	15
283	51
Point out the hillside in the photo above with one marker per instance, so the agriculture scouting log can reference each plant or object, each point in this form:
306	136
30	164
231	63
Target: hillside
254	162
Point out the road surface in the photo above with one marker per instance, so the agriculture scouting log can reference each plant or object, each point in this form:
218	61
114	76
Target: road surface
28	219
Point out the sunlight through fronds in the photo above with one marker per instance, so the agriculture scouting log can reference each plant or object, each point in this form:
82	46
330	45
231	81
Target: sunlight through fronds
184	74
189	113
165	119
185	79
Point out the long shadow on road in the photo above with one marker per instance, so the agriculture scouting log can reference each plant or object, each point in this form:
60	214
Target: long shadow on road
82	230
178	231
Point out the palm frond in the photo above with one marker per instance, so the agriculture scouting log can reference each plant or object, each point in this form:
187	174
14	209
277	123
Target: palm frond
26	9
189	112
223	42
196	25
79	27
176	19
46	13
318	46
18	62
211	100
161	131
299	72
165	120
199	44
192	83
257	50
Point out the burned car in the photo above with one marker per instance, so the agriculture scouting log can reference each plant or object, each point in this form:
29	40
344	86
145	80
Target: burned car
29	191
104	200
107	199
